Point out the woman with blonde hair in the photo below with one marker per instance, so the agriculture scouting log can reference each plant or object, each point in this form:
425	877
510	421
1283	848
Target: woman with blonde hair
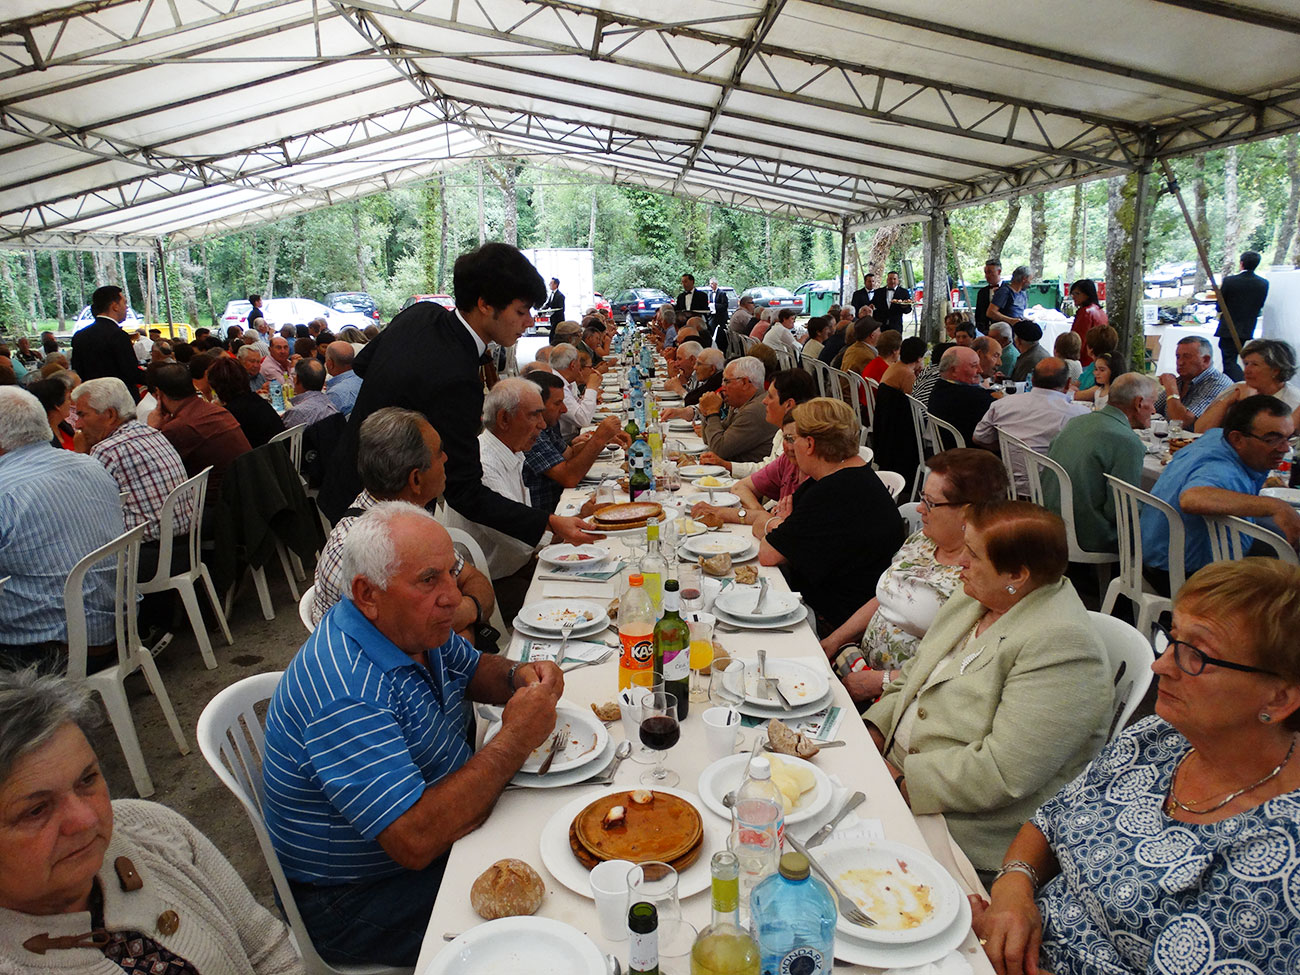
842	528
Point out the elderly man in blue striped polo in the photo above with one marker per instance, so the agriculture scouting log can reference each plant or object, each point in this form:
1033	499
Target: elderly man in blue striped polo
369	776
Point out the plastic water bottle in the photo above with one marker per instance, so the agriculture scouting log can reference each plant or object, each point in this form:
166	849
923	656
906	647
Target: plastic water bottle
794	920
277	395
759	806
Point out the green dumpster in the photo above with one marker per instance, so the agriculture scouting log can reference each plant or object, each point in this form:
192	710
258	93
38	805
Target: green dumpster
819	302
1045	294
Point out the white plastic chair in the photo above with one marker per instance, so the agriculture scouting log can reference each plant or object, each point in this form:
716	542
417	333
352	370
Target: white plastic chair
1129	581
110	683
919	415
1007	447
232	741
943	435
293	437
3	581
911	513
893	481
1130	657
867	454
862	397
463	539
1228	544
1035	465
189	494
304	608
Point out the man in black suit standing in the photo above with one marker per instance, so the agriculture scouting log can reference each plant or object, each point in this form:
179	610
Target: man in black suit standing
690	299
102	349
721	307
891	303
992	282
863	295
1244	295
428	360
554	303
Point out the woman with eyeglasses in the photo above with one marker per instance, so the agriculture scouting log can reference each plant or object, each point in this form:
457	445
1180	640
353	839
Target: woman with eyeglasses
1009	693
925	572
1268	366
1175	850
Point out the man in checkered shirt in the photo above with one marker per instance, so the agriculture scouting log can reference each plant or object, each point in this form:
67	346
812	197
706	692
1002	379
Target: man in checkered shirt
1198	384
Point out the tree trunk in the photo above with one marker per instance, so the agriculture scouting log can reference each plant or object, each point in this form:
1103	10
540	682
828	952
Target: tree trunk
57	280
1123	220
1076	219
146	293
591	227
188	297
482	221
10	295
881	244
1287	229
767	246
432	203
1231	212
121	273
34	302
510	192
272	253
79	262
356	243
1199	217
442	235
103	275
934	257
207	281
1037	233
1008	224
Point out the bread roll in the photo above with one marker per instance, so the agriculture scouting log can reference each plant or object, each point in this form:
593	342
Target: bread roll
508	888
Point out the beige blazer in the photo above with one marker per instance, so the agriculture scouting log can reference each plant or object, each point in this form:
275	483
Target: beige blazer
1018	715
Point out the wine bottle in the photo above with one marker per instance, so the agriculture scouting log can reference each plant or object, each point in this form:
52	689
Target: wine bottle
672	640
643	929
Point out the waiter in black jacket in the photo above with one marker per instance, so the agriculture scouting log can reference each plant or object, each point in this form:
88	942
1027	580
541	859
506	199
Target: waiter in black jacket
1244	294
863	295
428	360
690	299
102	349
554	303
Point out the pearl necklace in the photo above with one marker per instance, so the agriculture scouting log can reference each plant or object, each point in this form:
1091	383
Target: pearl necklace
1172	802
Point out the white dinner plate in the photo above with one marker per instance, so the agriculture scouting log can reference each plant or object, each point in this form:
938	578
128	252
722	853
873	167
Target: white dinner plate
1288	494
728	773
702	470
579	633
777	623
550	615
682	426
715	543
520	946
721	499
573	776
766	712
724	482
606	470
738	603
585	739
907	954
565	868
800	683
614	397
566	556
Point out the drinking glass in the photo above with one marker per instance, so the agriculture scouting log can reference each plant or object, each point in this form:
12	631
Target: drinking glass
690	578
727	683
606	494
1175	428
660	730
669	538
701	655
757	855
655	882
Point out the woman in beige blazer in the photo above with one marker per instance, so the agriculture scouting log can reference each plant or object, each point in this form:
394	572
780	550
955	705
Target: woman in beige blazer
1008	696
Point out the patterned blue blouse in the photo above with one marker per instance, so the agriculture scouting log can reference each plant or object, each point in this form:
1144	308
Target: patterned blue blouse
1141	892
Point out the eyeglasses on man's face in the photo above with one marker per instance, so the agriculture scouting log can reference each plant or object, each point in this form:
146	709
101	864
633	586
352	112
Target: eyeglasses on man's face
1192	660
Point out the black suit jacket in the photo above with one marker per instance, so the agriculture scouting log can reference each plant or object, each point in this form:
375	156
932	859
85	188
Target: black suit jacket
721	309
426	361
555	305
102	350
699	301
888	315
861	297
1244	294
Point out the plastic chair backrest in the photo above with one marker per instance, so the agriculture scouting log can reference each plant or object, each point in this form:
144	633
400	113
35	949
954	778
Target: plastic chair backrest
304	608
943	434
125	549
1229	535
893	481
184	505
293	436
911	514
1130	656
862	398
1128	513
1008	446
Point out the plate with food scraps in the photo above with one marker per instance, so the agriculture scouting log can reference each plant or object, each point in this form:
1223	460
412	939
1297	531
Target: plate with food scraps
720	499
552	615
910	896
740	602
566	556
702	470
573	776
800	683
805	789
585	739
799	614
689	527
909	954
1288	494
715	482
606	471
585	632
717	543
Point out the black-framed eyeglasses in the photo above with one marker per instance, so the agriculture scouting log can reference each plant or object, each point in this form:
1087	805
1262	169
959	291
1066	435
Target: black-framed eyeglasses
1192	660
941	504
1272	439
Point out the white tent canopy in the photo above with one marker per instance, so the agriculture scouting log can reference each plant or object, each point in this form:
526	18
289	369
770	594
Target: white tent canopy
122	121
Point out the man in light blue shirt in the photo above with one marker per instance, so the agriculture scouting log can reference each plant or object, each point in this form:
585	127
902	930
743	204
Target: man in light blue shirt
369	776
343	384
56	507
1221	474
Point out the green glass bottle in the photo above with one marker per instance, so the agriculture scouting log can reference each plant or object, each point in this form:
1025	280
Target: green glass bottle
672	639
724	947
643	946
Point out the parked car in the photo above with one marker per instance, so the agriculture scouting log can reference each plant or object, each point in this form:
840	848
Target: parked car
771	296
279	312
236	313
133	319
354	308
447	301
638	305
1170	275
599	301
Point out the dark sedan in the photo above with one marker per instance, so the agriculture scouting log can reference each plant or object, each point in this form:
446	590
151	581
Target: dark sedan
638	305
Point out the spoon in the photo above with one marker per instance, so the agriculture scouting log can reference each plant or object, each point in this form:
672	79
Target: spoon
729	799
623	750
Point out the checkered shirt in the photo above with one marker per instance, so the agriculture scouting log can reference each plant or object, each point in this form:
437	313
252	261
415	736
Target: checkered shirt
546	452
1201	392
147	468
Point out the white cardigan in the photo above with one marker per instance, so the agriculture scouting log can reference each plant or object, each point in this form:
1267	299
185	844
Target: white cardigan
222	930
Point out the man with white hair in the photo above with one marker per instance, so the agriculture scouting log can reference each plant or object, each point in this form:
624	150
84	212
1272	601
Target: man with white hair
369	776
343	384
580	408
683	368
745	434
252	337
144	463
958	398
1002	332
56	507
251	359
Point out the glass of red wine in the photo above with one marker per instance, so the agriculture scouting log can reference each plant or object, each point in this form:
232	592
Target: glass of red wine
659	732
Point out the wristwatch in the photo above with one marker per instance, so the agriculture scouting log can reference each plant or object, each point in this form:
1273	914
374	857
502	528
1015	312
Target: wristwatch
741	515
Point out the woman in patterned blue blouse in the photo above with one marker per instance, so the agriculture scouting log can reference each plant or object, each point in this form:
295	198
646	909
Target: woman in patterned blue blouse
1176	849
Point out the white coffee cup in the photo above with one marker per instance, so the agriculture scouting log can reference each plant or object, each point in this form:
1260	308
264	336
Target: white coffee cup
721	729
609	888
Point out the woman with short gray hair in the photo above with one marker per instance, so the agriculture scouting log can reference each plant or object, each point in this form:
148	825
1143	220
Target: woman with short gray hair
1268	366
91	885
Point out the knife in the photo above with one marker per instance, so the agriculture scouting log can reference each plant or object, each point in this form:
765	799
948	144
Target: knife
556	741
823	834
770	682
762	595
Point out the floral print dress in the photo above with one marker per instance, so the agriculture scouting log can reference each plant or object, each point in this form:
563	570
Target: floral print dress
910	594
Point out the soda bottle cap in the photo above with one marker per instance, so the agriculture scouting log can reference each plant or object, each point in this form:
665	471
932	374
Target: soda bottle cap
636	579
760	768
794	866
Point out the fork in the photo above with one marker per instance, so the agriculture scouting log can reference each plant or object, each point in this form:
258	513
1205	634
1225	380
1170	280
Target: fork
588	663
566	630
848	909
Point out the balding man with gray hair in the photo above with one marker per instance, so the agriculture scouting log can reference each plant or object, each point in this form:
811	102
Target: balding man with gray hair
57	507
957	397
745	434
682	368
343	384
579	404
368	776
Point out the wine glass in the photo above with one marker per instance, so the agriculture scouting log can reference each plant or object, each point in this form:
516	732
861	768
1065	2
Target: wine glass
660	730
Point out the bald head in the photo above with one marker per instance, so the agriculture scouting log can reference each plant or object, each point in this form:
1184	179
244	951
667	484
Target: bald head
960	365
1051	373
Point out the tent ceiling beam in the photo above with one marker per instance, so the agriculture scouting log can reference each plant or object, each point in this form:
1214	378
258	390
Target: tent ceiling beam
1240	13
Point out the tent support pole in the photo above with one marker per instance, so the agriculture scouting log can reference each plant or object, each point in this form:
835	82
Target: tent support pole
844	255
167	295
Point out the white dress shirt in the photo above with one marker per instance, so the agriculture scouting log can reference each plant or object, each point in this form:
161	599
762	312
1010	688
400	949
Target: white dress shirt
478	342
1035	417
503	472
780	337
580	409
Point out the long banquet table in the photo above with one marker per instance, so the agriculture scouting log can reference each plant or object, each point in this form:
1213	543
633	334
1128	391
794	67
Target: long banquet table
515	824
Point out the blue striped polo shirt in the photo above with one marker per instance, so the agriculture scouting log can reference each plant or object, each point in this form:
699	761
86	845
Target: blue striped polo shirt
355	733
